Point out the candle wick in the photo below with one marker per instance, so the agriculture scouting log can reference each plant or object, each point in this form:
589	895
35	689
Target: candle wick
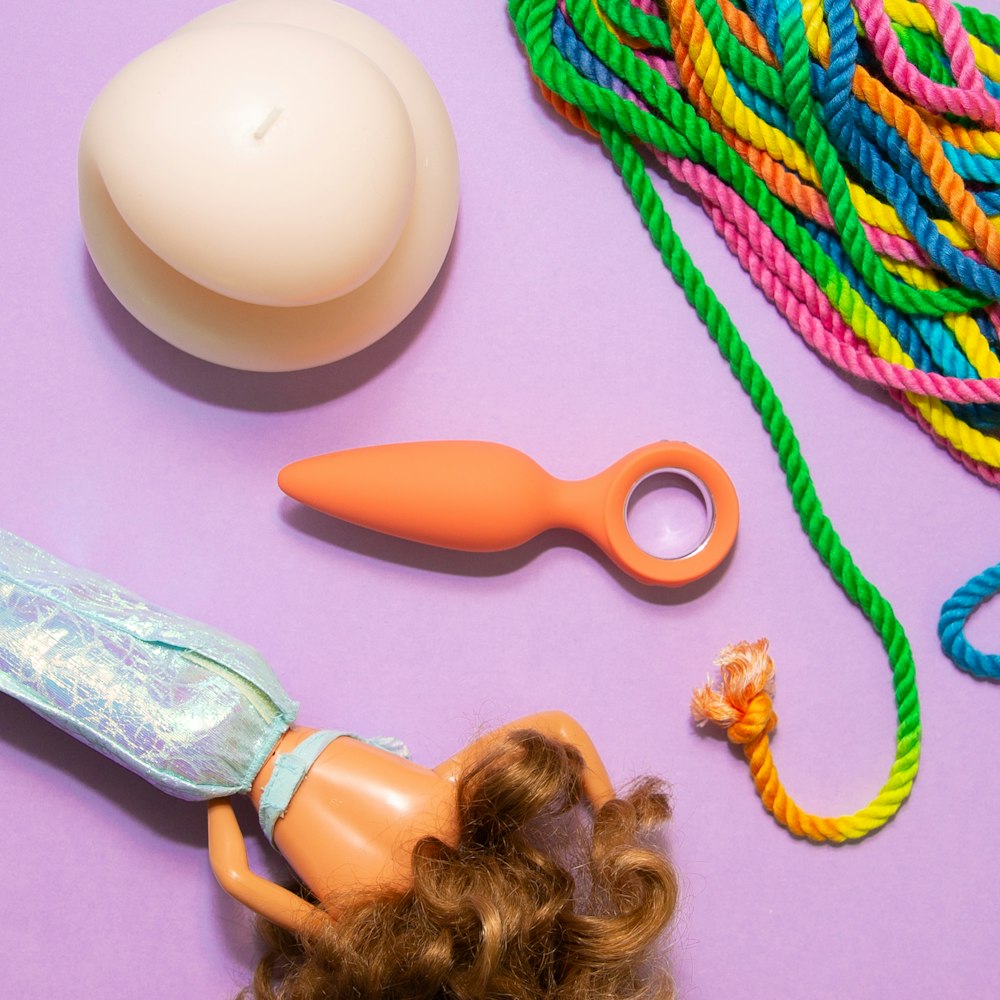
262	129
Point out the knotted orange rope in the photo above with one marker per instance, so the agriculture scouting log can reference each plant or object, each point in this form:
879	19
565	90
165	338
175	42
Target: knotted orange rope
742	704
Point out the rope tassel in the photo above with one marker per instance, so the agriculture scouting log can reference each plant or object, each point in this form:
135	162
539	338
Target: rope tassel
742	705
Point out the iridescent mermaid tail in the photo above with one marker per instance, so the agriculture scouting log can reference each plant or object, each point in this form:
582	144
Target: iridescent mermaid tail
186	707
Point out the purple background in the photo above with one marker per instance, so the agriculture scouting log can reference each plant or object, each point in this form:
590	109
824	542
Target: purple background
553	328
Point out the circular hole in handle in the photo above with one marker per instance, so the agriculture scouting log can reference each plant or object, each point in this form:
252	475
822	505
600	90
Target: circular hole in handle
669	514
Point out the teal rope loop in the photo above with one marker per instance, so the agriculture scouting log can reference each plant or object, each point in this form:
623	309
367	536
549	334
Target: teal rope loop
956	611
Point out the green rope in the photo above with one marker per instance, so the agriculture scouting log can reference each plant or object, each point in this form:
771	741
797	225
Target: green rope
689	136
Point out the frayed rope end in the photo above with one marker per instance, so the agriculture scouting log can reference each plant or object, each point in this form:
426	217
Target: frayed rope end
741	703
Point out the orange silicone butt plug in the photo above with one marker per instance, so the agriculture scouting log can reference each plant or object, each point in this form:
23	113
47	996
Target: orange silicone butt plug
483	497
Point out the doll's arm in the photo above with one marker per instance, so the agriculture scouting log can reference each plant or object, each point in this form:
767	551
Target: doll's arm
597	785
227	853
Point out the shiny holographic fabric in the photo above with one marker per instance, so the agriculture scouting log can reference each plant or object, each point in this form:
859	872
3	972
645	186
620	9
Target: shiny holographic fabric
188	708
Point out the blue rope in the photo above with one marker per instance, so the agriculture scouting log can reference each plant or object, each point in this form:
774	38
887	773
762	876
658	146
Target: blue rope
951	625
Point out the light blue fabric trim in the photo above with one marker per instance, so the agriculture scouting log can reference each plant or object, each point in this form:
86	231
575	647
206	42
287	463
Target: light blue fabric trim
291	767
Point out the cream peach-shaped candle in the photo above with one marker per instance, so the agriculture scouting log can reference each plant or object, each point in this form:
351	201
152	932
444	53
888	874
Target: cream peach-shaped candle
271	188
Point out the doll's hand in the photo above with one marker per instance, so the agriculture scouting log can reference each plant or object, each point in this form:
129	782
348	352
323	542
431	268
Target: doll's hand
228	856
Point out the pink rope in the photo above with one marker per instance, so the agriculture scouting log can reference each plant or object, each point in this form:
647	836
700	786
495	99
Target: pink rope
969	98
888	244
985	472
795	293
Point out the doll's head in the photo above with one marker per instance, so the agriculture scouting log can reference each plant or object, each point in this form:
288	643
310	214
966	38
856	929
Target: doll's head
533	901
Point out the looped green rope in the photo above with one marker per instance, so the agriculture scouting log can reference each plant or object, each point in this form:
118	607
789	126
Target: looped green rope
676	130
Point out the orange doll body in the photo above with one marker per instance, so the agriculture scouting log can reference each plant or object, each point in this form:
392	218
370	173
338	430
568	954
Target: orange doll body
353	822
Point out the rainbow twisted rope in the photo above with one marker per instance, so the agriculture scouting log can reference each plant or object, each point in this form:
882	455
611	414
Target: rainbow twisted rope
856	177
867	215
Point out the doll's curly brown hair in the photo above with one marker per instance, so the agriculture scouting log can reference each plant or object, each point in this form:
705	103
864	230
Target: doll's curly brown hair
533	902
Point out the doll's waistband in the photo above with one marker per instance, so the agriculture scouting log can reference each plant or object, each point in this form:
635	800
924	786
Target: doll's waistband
291	767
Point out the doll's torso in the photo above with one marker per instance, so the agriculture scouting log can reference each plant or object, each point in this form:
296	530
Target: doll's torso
355	818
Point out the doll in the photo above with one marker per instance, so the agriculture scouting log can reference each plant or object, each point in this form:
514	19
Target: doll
475	878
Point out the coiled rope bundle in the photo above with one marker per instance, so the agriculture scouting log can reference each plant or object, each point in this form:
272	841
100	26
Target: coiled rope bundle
850	158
